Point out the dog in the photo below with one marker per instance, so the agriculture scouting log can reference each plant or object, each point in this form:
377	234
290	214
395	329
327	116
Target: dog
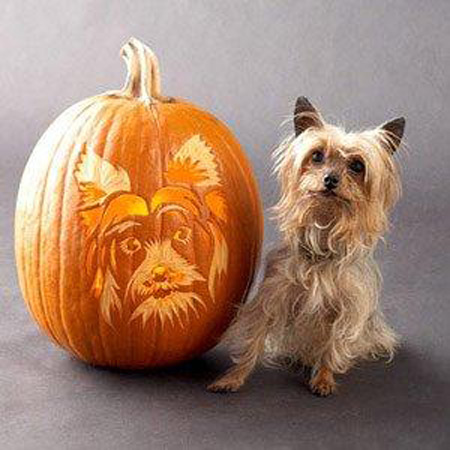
318	302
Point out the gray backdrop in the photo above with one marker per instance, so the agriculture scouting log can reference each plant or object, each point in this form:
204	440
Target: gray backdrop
246	61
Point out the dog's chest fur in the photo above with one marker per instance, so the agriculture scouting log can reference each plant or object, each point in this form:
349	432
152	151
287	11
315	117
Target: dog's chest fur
326	299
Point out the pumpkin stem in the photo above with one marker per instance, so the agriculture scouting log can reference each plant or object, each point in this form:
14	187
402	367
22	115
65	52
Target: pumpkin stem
143	78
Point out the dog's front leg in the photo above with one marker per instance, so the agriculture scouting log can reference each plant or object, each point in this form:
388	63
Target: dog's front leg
254	319
249	334
244	365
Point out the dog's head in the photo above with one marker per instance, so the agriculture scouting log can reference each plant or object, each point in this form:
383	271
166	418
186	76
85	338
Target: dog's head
143	251
343	183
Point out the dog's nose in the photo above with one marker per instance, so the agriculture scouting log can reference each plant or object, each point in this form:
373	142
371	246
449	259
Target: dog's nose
331	181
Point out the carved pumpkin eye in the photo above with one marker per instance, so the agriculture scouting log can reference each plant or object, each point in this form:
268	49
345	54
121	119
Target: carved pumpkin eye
183	235
130	245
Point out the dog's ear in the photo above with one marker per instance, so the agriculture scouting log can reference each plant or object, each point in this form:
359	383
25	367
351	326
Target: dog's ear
305	116
394	130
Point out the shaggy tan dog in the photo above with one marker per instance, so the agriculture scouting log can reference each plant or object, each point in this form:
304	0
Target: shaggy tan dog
318	301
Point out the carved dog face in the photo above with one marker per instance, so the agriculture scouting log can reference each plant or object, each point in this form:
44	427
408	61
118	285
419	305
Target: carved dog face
158	277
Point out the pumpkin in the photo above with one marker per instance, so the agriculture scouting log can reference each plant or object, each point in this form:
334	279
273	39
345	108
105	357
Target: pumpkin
138	225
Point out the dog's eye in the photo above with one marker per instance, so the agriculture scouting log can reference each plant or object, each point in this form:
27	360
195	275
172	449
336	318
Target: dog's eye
356	166
317	157
130	245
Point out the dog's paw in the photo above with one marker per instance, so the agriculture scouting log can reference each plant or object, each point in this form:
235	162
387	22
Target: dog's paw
322	384
322	388
225	384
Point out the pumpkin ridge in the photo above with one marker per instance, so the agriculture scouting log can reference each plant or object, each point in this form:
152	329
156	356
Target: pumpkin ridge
159	220
139	352
108	148
197	130
255	250
143	114
71	151
92	122
186	344
21	222
189	340
42	202
105	331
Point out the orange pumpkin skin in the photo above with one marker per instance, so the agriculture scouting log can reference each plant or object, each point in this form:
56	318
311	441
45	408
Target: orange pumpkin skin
138	226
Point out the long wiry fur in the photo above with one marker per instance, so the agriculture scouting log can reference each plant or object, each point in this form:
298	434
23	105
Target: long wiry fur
318	301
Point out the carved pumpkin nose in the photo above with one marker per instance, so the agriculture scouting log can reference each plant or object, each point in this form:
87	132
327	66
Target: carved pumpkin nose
160	272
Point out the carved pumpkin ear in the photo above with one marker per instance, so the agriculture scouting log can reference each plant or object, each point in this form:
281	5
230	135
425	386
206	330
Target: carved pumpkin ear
394	130
306	116
194	163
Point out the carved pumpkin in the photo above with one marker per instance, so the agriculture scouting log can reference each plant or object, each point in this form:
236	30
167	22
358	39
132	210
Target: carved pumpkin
138	225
